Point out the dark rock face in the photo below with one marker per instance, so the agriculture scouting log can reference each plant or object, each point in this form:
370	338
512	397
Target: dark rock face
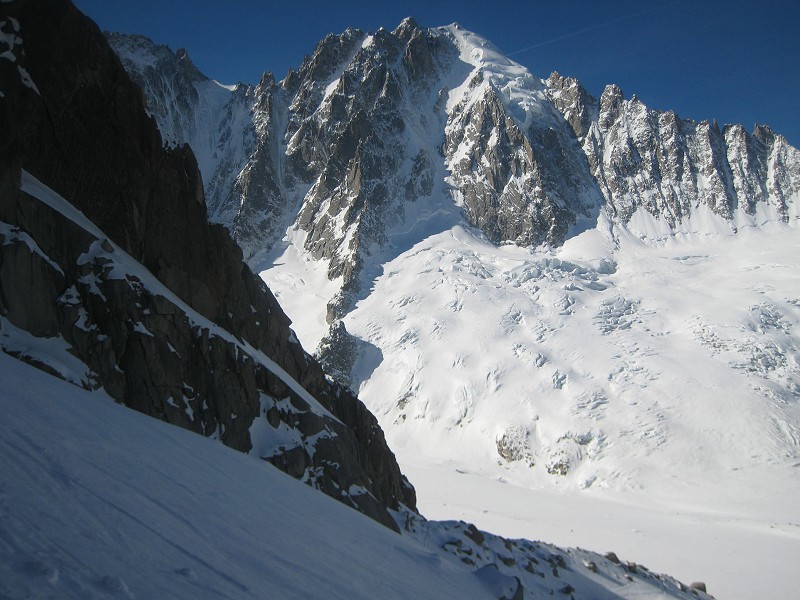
373	130
572	100
671	167
257	186
520	182
338	352
194	343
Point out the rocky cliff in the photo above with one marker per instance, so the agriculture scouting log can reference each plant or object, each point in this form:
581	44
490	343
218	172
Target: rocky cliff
375	138
676	169
108	256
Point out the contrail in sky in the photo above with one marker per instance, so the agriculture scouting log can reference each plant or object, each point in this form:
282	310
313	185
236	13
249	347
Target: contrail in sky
593	27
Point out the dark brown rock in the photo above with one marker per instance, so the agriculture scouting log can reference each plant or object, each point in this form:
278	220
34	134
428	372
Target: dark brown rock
81	128
699	586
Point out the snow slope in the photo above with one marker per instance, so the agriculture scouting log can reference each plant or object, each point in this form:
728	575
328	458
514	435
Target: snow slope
531	391
657	383
589	356
99	501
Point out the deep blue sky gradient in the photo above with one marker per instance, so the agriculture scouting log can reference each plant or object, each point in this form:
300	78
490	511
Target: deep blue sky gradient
737	61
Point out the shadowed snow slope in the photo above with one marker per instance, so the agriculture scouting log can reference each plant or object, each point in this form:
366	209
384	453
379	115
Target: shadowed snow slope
98	501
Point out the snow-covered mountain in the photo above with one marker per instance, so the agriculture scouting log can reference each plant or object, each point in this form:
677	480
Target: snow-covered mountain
216	120
127	295
375	137
524	282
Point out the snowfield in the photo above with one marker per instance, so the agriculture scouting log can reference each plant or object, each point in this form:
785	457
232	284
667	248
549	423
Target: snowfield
609	393
636	389
98	501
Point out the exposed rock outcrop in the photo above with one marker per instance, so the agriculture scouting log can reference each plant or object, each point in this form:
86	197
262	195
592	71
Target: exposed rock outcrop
517	569
672	167
150	297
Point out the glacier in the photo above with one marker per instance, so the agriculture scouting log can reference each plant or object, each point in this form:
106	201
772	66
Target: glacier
559	298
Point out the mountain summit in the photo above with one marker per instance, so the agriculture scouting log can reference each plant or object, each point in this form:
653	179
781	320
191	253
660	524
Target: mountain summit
478	250
374	139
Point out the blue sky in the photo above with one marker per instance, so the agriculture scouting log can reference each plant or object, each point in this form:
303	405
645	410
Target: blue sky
734	60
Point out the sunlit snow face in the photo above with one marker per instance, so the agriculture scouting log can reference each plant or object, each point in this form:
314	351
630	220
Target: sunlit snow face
650	353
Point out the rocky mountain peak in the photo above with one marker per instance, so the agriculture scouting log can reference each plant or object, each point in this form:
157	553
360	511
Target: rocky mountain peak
372	130
139	53
185	62
330	52
267	80
573	101
406	29
764	134
610	103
